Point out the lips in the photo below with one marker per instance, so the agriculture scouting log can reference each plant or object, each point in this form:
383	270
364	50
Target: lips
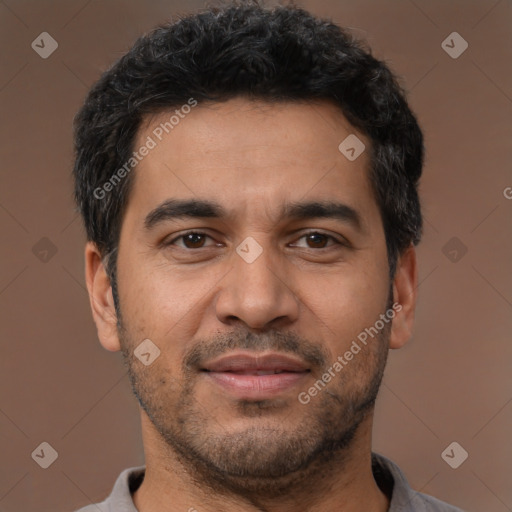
256	376
250	362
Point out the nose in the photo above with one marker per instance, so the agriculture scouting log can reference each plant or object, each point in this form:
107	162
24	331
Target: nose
257	293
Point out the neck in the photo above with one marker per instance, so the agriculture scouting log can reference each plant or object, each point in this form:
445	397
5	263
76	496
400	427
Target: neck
345	483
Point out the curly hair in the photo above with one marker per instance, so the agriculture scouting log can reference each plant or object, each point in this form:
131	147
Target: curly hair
279	54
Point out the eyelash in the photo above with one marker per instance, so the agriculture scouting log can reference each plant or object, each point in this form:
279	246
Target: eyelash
183	235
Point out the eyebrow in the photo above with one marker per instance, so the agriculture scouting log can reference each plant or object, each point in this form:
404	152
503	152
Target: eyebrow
199	208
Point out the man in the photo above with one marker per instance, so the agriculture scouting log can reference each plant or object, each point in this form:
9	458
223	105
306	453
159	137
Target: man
248	181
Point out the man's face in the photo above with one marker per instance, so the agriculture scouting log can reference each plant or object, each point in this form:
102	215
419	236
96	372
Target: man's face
252	285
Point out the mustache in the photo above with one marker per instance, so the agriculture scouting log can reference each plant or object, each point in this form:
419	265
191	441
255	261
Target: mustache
284	342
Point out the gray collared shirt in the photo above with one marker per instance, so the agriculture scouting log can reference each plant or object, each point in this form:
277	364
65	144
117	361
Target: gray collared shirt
387	474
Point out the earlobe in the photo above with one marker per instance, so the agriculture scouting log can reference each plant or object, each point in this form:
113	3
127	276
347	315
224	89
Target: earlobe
101	298
404	293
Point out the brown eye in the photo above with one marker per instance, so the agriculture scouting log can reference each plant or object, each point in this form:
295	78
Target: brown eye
317	240
190	240
193	240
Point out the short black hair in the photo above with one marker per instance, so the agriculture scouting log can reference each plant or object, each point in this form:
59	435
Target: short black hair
278	54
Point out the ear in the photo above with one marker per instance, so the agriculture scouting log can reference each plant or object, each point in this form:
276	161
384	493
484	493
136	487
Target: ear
101	298
405	283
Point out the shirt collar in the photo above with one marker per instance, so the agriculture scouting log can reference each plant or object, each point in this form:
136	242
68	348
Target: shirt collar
387	474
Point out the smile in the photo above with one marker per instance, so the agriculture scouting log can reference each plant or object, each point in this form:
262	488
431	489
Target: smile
256	376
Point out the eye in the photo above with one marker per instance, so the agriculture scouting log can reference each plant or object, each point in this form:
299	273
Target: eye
197	240
317	240
190	240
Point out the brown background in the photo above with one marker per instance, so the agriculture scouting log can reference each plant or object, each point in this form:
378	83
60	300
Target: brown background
450	383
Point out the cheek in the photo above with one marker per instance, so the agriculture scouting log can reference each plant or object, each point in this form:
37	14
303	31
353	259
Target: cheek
347	304
158	305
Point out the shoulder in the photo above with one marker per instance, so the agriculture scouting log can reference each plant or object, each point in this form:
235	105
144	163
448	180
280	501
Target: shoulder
96	507
403	498
424	503
120	499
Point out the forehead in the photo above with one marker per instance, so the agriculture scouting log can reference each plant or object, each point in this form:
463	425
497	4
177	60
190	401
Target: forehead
250	156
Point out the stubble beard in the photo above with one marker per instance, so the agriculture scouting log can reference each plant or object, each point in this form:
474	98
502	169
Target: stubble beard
270	458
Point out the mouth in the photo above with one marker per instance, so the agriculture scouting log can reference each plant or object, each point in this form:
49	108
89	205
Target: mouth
249	375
